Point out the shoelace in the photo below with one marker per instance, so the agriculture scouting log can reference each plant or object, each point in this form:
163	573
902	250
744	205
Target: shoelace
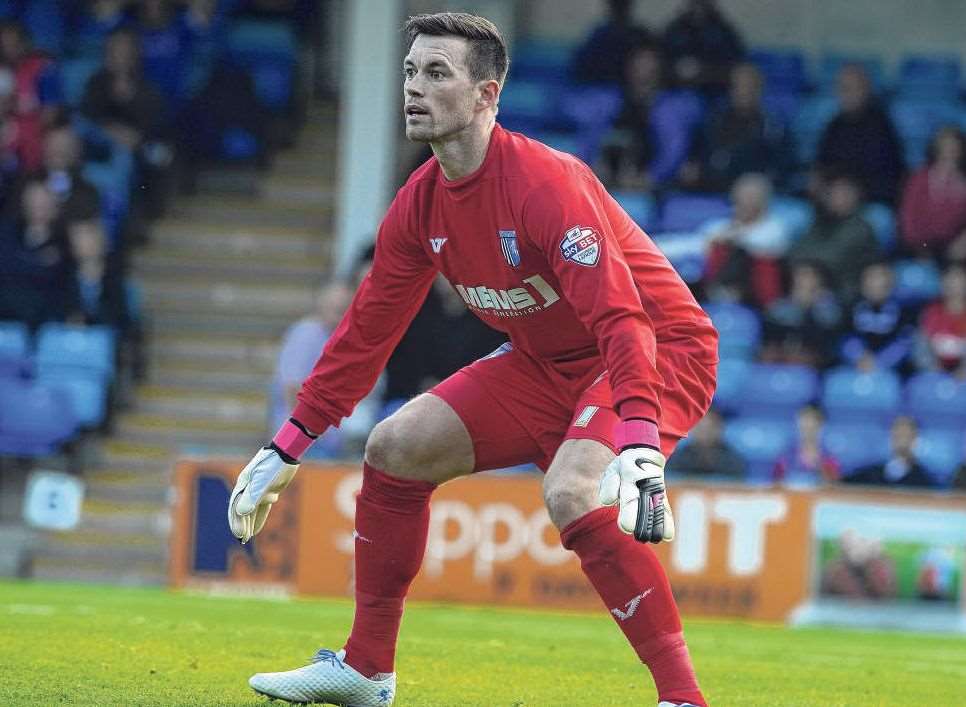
324	655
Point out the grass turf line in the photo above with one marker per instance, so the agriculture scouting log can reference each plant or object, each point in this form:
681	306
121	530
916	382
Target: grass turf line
95	645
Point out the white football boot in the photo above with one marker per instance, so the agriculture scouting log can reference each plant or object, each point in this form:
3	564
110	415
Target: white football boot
327	680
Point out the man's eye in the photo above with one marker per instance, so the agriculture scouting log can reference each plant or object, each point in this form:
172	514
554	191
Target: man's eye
436	75
409	73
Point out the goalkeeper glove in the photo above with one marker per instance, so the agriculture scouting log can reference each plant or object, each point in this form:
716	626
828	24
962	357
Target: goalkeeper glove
269	472
634	481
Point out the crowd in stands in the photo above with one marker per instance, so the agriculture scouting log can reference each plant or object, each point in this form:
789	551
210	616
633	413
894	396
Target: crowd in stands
102	105
821	221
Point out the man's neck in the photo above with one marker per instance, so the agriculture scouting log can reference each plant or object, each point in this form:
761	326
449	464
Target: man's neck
463	153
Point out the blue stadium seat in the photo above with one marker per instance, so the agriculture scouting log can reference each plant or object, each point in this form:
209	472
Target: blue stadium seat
760	442
739	329
14	348
732	375
814	114
853	396
797	214
783	69
937	400
916	121
35	420
940	451
590	105
831	64
66	347
854	444
687	212
268	51
883	221
86	392
541	60
934	76
638	205
916	281
777	391
562	140
783	105
534	101
74	75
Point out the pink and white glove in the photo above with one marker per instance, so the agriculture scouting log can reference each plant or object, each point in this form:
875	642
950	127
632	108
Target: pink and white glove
634	481
269	472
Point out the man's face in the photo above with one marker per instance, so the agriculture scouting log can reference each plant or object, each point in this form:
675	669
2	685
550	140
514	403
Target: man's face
440	97
853	89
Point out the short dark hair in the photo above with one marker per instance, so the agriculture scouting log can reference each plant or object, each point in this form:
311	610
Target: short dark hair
486	58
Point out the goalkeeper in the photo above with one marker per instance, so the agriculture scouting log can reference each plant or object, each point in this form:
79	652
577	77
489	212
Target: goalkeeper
610	363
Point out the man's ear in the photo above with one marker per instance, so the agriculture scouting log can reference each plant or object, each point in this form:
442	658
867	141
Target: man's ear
489	94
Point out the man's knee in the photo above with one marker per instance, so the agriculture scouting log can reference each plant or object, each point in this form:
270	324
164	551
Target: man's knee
570	485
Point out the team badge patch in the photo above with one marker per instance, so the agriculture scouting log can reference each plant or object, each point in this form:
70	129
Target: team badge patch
511	250
582	244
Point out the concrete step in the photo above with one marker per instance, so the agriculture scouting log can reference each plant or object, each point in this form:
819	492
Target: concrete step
110	517
224	380
192	295
180	433
101	570
179	322
222	406
178	239
295	188
248	212
304	270
113	487
173	348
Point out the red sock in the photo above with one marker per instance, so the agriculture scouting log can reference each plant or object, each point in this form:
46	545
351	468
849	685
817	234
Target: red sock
633	585
392	522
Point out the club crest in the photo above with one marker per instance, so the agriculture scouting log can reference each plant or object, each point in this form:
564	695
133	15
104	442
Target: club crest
510	248
581	245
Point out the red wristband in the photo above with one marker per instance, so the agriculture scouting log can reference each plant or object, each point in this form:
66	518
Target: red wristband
632	432
292	440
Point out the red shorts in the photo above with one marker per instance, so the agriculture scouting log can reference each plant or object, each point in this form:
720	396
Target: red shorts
520	410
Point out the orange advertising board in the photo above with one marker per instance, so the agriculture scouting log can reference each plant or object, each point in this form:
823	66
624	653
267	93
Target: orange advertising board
739	551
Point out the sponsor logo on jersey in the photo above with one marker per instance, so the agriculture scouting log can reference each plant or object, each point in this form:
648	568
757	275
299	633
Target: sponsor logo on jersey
581	245
511	250
437	243
536	296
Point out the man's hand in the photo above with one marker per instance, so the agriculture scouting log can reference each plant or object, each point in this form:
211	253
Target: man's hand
634	482
256	490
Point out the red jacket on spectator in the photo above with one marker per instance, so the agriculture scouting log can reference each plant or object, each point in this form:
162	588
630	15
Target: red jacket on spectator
933	210
945	332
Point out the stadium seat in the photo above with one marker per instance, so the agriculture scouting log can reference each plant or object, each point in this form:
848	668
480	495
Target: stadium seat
562	140
268	52
590	109
797	214
916	281
776	391
883	221
87	394
638	205
533	101
853	396
855	444
14	348
46	23
782	69
811	119
74	75
783	105
940	450
541	60
739	329
35	420
687	212
732	375
760	442
66	347
831	64
916	121
937	400
686	251
931	76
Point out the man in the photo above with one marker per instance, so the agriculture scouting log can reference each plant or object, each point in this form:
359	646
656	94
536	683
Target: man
608	353
902	468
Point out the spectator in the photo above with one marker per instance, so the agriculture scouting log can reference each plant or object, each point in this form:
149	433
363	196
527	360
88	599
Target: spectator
10	138
62	171
97	294
803	327
125	104
702	46
942	327
744	251
652	134
36	266
933	210
707	455
808	462
882	330
37	94
861	137
605	51
419	362
840	240
740	137
901	468
94	23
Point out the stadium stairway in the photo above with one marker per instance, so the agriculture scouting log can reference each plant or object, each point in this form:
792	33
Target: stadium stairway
222	277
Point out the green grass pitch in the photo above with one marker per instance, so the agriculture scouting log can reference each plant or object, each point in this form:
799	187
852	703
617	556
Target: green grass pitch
92	645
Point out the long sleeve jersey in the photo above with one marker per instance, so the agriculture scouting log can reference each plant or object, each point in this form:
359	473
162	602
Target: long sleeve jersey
537	249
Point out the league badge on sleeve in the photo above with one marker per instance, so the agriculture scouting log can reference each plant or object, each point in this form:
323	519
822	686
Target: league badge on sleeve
582	244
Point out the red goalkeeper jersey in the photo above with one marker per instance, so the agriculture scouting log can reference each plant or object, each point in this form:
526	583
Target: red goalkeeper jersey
538	249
